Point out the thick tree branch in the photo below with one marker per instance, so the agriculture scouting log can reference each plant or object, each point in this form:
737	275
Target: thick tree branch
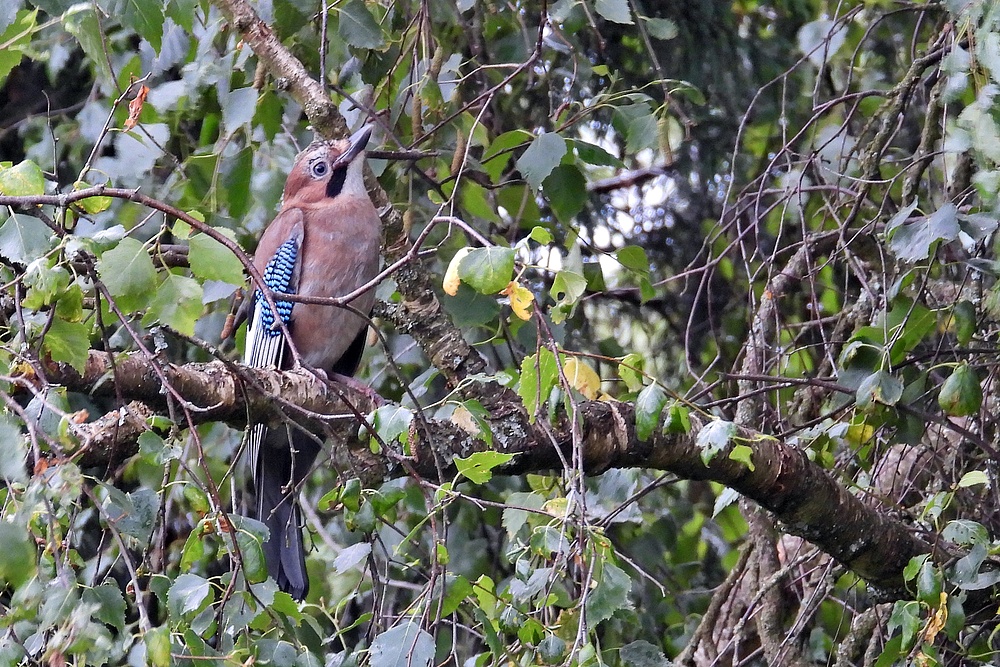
805	498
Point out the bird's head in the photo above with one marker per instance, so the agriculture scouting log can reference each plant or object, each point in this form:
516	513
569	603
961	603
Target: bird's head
326	169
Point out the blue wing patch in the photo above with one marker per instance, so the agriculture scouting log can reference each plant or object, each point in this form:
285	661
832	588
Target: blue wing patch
278	276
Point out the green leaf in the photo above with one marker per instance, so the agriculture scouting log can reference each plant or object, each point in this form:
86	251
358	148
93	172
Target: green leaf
906	617
68	342
268	114
660	28
541	157
134	513
540	235
634	258
630	370
910	324
892	652
487	270
406	645
961	394
359	28
92	205
183	13
210	260
110	604
177	303
911	241
145	17
966	533
567	288
18	562
566	190
476	202
715	437
539	373
69	306
250	537
13	452
610	595
350	557
643	654
551	650
964	319
194	547
15	39
157	642
643	132
743	454
614	10
639	126
476	418
973	478
678	420
469	308
497	156
22	180
24	238
84	25
820	39
189	594
197	499
392	423
128	273
929	583
595	155
913	566
478	467
879	387
459	590
648	406
238	108
519	200
44	283
513	516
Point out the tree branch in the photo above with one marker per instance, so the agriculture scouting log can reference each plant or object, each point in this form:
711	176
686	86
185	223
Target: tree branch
804	497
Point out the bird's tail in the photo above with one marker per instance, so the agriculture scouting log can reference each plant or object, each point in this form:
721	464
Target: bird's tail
279	469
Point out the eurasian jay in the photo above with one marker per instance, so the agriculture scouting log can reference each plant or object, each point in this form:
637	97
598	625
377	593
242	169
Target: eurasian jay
323	243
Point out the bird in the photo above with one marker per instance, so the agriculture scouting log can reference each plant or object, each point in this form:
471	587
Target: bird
324	242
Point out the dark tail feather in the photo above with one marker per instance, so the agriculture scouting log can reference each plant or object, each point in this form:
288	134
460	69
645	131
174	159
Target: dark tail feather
278	508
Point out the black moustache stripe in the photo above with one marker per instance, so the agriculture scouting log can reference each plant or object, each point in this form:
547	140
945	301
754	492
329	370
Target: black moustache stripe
336	182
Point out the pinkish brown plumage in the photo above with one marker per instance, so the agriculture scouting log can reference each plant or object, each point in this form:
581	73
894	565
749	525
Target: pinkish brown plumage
323	243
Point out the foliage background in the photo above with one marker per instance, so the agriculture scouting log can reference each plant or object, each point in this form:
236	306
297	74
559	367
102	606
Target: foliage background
764	229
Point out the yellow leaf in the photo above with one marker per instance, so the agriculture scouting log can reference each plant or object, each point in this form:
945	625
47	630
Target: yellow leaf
582	377
859	434
521	299
135	107
937	620
558	507
463	419
451	279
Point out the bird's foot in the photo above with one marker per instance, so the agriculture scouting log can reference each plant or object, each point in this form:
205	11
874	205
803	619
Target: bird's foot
358	386
352	382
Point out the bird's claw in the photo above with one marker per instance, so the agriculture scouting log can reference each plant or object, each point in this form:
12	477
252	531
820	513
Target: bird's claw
359	386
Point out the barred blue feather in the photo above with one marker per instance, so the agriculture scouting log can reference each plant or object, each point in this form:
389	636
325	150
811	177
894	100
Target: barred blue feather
278	277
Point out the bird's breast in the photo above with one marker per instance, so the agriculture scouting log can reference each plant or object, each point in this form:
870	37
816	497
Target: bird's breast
340	254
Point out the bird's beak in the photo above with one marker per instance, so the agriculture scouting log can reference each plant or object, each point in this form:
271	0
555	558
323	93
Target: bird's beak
355	146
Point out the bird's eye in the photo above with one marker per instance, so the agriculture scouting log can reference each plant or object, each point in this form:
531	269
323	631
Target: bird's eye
319	169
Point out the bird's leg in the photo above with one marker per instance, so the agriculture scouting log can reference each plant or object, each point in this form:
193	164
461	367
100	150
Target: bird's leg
358	385
352	382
